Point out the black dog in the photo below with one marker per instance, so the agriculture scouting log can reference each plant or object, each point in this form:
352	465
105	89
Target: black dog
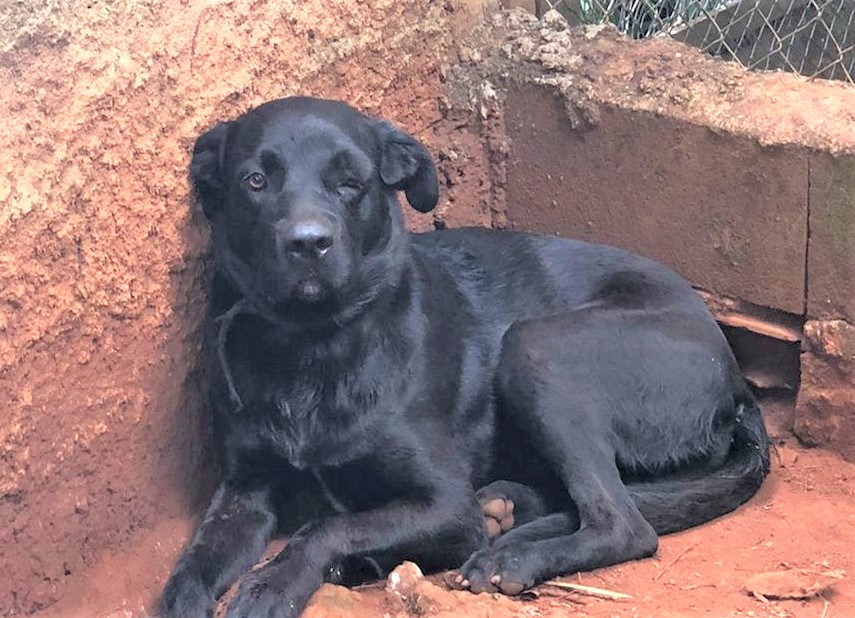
387	376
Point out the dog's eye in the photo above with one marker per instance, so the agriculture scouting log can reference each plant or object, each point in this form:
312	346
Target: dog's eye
349	187
256	181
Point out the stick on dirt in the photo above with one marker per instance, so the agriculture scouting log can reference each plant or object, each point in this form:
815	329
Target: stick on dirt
674	561
589	590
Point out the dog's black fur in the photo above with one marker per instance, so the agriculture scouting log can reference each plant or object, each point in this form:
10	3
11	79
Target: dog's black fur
429	389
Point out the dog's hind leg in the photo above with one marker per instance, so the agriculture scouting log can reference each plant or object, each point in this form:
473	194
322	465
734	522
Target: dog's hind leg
658	395
565	414
608	529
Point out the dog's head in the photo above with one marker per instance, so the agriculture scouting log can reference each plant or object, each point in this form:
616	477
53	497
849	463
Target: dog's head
301	194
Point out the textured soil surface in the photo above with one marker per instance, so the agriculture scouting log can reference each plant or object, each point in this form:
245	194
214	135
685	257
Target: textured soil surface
801	523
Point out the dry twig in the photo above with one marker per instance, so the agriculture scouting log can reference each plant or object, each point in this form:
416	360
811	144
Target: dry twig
674	561
589	590
824	607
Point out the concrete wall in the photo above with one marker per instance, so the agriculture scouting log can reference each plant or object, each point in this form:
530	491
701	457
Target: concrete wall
743	182
727	213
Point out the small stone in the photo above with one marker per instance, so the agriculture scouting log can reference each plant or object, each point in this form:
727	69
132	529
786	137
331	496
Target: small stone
404	578
792	584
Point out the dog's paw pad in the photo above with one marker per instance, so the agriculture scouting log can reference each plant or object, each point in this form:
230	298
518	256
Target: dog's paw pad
509	587
498	515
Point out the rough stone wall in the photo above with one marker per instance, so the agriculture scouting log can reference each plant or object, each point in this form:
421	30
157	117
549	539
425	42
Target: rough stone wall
102	260
826	402
744	182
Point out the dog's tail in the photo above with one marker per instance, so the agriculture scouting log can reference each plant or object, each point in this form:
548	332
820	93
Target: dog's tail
678	502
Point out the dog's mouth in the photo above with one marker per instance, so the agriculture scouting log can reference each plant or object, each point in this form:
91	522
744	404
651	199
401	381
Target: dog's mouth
309	298
309	290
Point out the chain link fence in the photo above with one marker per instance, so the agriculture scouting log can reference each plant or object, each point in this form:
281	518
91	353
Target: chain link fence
815	38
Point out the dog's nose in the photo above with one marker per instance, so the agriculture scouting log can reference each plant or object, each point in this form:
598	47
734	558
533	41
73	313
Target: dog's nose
308	239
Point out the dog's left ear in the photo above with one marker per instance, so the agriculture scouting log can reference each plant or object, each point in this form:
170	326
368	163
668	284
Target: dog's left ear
206	167
407	165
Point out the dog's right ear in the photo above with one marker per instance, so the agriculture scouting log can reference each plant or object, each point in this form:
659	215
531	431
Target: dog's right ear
206	167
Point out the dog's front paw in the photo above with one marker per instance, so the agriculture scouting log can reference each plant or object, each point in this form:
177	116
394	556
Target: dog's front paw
259	597
492	570
185	596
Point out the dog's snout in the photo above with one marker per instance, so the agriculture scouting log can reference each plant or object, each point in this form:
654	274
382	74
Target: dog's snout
309	238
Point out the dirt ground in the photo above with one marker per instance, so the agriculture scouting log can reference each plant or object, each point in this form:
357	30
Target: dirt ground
803	519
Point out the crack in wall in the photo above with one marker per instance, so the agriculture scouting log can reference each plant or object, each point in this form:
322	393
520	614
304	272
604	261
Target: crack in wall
807	241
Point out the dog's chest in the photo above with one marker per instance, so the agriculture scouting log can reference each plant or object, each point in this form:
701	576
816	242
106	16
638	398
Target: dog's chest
310	421
361	485
318	406
306	437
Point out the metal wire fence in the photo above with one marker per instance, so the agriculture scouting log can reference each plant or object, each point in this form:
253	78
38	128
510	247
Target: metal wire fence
815	38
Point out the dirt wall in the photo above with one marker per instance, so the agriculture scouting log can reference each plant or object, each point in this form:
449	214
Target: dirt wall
102	259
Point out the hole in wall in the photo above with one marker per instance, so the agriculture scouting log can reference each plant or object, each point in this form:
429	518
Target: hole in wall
772	368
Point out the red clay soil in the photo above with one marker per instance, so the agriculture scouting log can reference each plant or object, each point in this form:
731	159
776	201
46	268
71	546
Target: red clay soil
802	518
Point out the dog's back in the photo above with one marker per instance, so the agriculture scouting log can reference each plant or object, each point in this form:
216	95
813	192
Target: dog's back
516	276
